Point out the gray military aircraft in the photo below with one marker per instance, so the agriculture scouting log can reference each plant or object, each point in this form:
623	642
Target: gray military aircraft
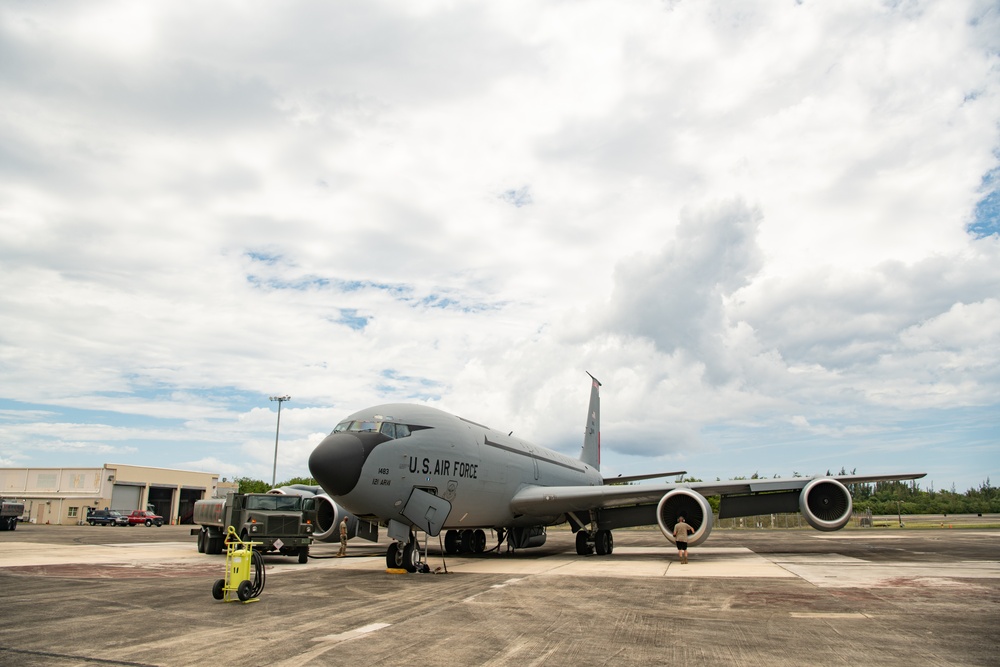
415	468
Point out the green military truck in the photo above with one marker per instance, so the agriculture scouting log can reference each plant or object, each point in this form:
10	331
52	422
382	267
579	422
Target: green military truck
282	524
10	513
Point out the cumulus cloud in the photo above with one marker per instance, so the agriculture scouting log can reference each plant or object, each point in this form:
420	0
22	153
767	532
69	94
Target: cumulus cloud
761	226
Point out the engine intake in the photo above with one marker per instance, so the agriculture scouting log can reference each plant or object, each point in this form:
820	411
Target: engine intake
328	512
826	504
692	506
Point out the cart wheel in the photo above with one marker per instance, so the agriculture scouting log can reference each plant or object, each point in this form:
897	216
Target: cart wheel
217	589
243	590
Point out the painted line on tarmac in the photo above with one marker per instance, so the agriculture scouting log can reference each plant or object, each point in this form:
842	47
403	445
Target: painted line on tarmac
493	587
353	634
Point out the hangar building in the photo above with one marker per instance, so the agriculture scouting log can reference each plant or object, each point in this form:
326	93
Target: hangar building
63	495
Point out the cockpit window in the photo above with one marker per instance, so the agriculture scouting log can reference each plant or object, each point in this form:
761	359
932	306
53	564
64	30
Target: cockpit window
389	429
367	426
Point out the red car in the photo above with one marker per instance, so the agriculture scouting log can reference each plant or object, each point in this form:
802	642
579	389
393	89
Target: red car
143	517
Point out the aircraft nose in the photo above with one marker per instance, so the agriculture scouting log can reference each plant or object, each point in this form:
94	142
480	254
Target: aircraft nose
337	461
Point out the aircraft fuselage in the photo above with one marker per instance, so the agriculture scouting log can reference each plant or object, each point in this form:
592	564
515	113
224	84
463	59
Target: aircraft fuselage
477	469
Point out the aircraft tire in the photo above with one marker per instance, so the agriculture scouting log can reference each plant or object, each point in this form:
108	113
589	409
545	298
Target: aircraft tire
411	557
479	541
466	542
604	543
394	557
451	542
583	547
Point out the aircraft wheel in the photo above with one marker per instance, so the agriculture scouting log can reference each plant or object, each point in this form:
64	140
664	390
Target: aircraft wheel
451	542
603	542
466	542
411	557
217	591
479	541
394	557
244	590
583	547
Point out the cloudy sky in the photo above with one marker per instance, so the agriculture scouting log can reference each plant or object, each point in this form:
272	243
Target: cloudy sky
769	228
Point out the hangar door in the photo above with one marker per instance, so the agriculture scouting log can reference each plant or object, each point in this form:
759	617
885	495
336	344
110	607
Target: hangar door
188	497
161	497
126	497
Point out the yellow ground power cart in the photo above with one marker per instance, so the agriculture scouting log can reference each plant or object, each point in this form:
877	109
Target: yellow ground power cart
242	561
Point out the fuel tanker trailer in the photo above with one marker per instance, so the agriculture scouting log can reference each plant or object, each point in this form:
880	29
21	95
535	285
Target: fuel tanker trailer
280	523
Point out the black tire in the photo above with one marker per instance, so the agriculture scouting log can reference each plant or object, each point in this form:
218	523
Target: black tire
244	590
159	523
92	523
394	557
13	523
466	541
451	542
583	547
303	555
148	523
478	541
603	543
411	557
217	591
201	542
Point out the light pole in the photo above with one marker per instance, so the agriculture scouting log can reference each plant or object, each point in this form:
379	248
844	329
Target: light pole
277	430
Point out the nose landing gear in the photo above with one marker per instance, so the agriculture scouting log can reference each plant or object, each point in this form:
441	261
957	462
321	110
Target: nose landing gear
401	556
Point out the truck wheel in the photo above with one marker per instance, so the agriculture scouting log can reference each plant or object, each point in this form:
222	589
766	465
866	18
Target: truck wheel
217	592
148	523
303	555
244	590
92	523
201	542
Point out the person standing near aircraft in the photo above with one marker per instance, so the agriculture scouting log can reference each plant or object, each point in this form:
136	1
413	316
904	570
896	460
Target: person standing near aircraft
681	532
343	538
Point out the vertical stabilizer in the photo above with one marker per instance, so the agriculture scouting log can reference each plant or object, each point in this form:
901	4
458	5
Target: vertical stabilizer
591	454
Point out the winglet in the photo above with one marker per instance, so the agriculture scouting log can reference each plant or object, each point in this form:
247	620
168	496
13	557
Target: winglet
591	453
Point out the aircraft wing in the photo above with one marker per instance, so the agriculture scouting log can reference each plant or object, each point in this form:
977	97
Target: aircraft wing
551	500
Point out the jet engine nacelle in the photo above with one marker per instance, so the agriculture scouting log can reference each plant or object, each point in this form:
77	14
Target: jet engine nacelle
692	506
826	504
328	512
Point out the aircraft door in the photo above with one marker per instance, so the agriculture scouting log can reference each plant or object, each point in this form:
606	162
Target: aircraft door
427	511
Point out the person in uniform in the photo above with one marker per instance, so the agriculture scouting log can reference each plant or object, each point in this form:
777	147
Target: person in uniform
681	532
343	538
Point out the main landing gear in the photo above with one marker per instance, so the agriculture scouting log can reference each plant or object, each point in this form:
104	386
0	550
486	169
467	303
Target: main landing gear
465	541
600	541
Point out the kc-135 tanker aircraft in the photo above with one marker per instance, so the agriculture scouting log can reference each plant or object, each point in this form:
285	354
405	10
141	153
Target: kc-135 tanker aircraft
414	468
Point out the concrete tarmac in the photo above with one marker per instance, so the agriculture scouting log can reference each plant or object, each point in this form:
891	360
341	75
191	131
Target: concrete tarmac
82	596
